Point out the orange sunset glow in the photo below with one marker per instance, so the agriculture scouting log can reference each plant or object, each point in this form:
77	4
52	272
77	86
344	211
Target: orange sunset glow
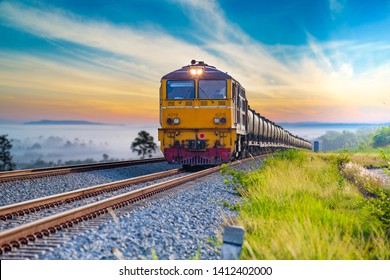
98	70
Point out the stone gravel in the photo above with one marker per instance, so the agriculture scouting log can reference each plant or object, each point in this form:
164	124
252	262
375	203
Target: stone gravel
185	224
18	191
19	220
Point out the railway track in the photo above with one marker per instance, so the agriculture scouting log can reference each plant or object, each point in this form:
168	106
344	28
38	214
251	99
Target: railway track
52	171
25	236
29	208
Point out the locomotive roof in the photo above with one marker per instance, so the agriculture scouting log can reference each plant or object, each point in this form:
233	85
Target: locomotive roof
209	72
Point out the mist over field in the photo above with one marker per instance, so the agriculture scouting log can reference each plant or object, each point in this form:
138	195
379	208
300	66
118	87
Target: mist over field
61	143
57	144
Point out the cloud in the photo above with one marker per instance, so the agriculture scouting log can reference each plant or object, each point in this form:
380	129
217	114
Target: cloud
336	7
60	88
109	66
145	47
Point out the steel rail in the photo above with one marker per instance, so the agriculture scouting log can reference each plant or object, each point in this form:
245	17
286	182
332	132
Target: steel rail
21	234
28	232
49	171
25	207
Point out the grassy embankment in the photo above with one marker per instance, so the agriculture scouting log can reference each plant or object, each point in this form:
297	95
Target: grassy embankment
301	205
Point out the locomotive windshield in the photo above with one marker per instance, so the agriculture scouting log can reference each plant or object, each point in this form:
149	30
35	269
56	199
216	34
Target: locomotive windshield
181	89
212	89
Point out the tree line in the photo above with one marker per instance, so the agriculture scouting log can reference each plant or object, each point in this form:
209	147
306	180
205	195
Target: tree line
362	139
143	145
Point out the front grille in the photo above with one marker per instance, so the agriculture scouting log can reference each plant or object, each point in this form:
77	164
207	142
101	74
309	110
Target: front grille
196	160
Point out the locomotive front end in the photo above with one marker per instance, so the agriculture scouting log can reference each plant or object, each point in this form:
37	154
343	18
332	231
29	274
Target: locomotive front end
196	116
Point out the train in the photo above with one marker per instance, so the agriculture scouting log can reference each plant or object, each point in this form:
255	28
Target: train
205	119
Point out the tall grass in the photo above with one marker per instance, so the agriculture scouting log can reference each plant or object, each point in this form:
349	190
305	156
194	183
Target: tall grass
299	206
371	185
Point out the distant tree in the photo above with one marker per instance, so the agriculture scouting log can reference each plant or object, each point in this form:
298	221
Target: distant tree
381	138
334	140
144	144
35	146
6	163
105	157
363	136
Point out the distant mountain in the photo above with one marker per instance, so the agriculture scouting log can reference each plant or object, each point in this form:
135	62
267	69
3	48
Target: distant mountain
62	122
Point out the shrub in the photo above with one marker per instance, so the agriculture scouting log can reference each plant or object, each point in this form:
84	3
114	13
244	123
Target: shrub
381	138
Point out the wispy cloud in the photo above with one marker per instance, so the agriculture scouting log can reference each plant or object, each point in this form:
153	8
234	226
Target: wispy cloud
320	76
117	65
43	87
336	7
145	47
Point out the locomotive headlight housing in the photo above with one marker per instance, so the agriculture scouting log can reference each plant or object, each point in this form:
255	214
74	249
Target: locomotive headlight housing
196	71
219	120
173	121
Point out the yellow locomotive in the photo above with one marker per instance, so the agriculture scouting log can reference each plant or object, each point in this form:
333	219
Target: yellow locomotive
205	119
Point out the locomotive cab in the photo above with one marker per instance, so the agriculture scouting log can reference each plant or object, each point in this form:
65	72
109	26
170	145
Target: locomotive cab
197	116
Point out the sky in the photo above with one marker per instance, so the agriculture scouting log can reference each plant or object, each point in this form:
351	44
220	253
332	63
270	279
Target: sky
102	60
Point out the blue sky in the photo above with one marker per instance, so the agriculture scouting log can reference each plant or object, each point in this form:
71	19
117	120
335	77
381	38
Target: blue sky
102	60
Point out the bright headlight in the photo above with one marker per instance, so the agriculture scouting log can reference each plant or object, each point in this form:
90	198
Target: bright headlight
216	120
176	120
196	71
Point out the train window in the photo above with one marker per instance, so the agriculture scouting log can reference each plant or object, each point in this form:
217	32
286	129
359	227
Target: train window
181	89
212	89
243	105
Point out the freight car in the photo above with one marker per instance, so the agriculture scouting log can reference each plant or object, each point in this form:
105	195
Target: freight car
206	120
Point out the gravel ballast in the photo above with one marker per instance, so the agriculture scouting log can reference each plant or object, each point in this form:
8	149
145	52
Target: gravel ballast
187	222
17	191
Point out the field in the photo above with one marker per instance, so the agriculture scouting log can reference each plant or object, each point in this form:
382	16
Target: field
304	206
370	157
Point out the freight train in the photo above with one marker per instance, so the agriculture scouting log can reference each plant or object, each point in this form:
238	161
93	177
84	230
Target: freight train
206	119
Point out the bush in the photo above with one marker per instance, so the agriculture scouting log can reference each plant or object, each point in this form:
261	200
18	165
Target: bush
381	138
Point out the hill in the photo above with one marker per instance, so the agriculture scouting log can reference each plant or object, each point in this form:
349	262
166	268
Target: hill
62	122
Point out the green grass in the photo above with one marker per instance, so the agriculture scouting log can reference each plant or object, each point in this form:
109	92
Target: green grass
378	197
299	206
369	157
